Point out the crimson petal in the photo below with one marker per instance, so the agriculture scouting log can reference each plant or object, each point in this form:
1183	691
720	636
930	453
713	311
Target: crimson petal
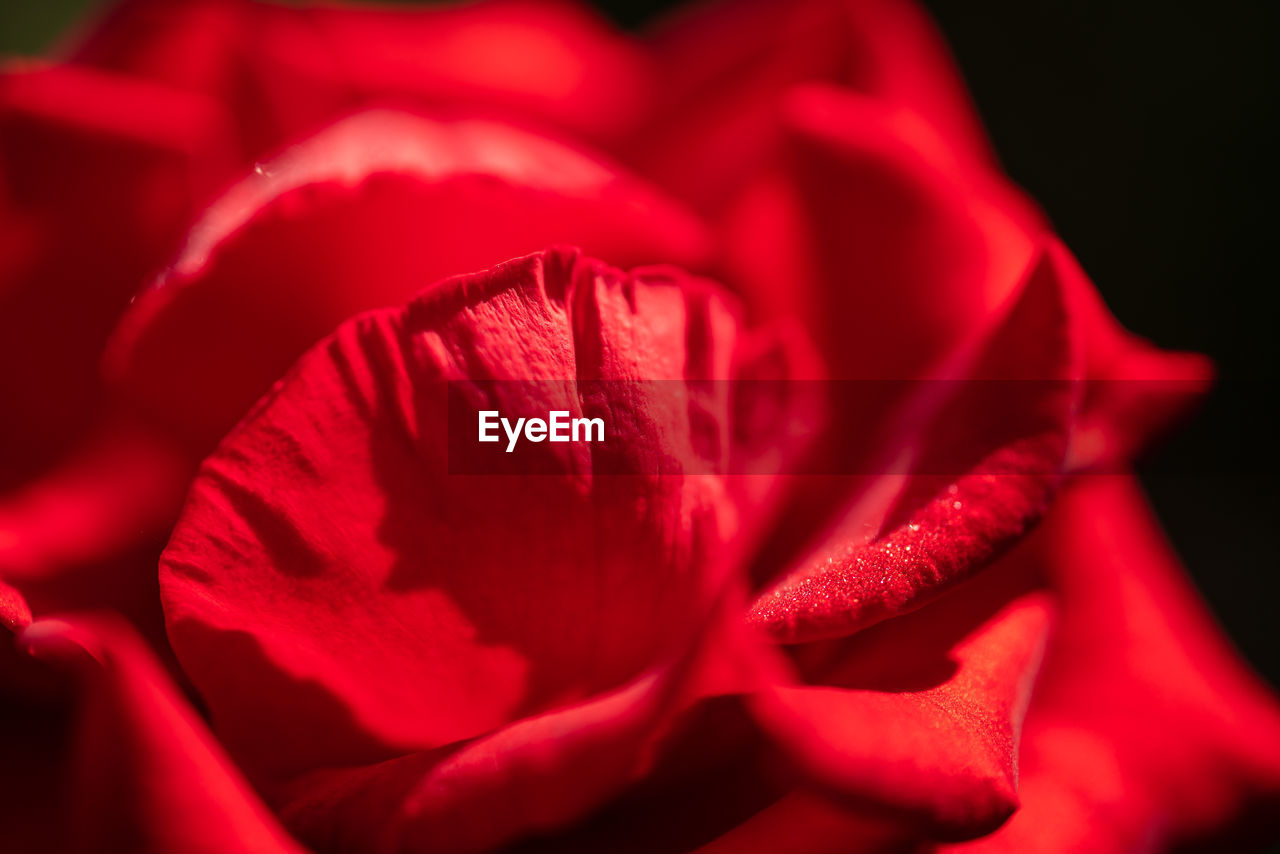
727	66
361	216
148	777
1146	730
286	71
989	463
339	598
100	174
919	718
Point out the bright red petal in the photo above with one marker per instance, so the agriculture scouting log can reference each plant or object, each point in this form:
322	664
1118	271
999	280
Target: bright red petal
340	598
363	216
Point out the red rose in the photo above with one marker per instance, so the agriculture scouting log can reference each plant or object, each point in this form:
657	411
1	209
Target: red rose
828	584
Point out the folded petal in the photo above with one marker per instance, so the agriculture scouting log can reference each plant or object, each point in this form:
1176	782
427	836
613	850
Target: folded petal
918	719
725	68
538	774
118	488
362	216
981	467
145	774
1146	731
911	248
340	598
86	533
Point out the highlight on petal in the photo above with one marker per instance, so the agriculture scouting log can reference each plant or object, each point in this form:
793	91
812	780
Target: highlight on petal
365	215
985	453
1145	730
287	70
146	774
918	719
339	597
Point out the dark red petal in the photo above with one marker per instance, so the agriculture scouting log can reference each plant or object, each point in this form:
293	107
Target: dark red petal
118	488
919	718
147	776
806	823
288	70
538	774
727	66
339	598
1146	731
1136	389
100	173
365	215
912	249
988	459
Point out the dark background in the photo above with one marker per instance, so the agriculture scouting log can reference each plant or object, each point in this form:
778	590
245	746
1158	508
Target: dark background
1148	132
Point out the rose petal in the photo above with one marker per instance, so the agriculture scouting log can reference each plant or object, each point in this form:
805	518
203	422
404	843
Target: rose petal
912	248
727	66
14	612
100	172
804	823
987	462
538	774
148	777
288	70
1136	390
339	598
362	216
1146	731
118	488
919	718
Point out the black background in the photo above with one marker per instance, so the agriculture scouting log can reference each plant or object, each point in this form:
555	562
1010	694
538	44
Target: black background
1147	130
